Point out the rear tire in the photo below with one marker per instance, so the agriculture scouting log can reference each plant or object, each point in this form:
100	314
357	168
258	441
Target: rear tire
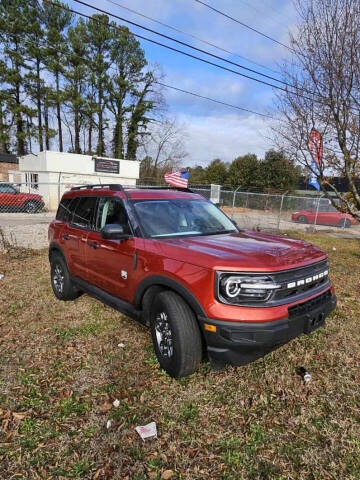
176	335
61	283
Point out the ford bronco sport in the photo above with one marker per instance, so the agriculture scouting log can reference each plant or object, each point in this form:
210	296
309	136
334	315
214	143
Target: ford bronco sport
172	260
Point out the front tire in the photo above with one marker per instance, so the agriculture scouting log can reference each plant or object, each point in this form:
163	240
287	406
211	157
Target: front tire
344	223
61	283
176	335
32	206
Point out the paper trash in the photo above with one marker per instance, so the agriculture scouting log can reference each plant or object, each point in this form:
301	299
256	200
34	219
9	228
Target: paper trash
147	431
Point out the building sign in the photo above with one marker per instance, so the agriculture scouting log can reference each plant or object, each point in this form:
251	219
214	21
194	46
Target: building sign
105	165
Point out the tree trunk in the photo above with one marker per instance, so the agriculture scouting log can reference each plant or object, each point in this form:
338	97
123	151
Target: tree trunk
58	112
118	147
77	130
46	121
38	102
20	143
90	136
77	123
100	145
3	134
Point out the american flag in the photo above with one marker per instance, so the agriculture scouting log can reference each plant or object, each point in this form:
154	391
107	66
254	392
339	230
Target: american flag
177	179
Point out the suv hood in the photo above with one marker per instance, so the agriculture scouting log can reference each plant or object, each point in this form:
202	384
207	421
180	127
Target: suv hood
244	251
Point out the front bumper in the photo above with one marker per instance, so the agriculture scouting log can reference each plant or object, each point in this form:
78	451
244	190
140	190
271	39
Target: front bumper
239	343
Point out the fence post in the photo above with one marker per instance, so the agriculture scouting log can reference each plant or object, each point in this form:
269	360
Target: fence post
59	179
317	209
281	206
233	202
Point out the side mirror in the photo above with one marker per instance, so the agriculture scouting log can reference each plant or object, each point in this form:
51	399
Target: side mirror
114	231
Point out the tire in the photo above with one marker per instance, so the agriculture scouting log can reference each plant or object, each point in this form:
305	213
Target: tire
181	352
61	283
31	206
302	219
344	222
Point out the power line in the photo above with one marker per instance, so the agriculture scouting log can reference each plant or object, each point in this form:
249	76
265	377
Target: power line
213	100
243	24
186	44
170	48
277	87
191	35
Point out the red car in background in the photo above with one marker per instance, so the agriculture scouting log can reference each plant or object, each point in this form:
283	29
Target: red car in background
325	215
12	200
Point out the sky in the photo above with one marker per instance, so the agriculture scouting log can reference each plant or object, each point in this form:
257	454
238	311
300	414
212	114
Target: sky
212	130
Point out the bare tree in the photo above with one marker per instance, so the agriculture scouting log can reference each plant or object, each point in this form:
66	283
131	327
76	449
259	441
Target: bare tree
325	72
164	150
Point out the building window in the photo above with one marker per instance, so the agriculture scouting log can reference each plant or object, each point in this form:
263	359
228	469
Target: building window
32	180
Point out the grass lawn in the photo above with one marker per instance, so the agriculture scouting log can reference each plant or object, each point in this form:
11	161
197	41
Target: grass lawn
61	368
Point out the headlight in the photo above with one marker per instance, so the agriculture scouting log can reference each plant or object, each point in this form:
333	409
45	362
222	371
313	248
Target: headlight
240	289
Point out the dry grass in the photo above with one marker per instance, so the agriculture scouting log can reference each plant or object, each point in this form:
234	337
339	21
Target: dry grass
61	368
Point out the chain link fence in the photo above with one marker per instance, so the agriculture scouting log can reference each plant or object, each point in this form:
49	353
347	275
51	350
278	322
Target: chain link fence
26	209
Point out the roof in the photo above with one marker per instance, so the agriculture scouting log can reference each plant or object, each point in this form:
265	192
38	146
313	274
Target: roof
143	194
135	193
8	158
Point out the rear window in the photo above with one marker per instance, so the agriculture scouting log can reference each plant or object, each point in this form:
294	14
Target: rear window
64	212
84	212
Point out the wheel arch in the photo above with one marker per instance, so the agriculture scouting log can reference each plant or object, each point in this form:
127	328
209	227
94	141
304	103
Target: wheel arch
55	248
152	285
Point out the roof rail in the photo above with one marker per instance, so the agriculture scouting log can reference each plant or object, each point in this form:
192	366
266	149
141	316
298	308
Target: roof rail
164	187
121	188
110	186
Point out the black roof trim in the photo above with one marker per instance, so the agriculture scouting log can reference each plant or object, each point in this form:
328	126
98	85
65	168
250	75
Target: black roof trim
8	158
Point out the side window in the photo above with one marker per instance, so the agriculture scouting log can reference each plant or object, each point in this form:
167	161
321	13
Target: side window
7	189
112	210
84	212
64	212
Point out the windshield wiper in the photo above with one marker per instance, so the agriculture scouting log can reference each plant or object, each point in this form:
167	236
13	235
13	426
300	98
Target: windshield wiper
219	232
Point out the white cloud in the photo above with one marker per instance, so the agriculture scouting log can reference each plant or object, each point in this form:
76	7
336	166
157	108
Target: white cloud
224	136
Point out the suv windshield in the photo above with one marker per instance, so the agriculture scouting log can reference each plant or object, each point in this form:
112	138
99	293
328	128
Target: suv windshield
170	218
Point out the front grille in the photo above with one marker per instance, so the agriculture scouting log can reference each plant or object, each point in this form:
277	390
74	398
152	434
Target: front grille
310	305
291	276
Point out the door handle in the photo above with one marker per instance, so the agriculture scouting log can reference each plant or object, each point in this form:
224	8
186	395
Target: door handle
94	245
66	236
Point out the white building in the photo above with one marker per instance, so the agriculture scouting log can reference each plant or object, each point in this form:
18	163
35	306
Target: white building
51	173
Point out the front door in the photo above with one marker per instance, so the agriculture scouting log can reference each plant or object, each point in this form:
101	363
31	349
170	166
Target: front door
111	264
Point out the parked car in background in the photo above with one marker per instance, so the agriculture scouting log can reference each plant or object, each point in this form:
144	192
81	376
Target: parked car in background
326	214
175	262
12	200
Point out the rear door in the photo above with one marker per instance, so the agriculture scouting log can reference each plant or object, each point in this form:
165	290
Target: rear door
75	233
112	264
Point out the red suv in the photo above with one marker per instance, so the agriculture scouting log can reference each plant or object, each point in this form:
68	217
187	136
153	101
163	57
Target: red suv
12	200
175	262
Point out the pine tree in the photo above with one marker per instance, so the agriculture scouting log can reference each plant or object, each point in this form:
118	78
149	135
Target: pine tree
99	41
128	61
57	21
76	75
14	27
34	43
139	119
